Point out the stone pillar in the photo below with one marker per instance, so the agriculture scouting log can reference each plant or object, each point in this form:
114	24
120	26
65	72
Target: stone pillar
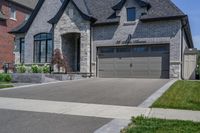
85	52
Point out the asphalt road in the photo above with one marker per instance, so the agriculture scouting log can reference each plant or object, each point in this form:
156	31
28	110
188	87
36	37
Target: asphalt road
31	122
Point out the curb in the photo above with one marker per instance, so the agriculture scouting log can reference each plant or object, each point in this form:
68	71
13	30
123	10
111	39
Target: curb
149	101
41	84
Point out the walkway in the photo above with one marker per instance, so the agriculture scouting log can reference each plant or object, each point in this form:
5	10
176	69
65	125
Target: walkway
95	110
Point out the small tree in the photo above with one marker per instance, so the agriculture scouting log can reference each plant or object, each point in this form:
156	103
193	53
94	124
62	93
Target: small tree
60	61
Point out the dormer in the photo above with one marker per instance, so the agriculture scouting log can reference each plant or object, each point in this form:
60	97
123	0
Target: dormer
131	10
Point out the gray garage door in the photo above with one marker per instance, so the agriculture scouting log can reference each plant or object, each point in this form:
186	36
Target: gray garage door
133	61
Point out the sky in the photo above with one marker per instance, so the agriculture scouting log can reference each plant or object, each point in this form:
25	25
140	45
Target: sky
192	9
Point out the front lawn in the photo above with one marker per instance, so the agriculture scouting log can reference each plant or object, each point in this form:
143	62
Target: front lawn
181	95
147	125
5	85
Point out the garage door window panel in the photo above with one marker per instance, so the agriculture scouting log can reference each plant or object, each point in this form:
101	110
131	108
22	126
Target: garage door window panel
106	50
160	49
140	49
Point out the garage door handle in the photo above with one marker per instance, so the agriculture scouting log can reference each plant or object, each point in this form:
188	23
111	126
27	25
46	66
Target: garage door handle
131	65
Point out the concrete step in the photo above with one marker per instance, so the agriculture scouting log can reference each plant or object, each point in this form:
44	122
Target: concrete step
47	80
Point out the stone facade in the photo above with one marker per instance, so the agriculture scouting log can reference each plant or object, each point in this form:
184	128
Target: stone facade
28	78
74	24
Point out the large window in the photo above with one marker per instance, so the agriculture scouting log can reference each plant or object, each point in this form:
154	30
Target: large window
21	50
131	14
43	48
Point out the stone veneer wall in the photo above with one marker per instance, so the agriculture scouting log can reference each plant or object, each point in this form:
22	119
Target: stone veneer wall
72	22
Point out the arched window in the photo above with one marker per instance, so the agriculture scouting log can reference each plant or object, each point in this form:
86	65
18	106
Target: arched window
43	48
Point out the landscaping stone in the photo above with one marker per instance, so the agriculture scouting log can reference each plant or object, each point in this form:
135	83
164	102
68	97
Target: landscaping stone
63	77
42	78
28	78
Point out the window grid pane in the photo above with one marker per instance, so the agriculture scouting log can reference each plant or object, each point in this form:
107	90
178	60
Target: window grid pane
131	14
49	50
22	50
43	48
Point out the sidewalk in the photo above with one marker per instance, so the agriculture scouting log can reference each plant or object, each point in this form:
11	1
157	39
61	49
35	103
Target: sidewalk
120	114
175	114
95	110
169	114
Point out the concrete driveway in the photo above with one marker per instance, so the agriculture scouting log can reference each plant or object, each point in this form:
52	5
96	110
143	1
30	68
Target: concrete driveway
124	92
81	106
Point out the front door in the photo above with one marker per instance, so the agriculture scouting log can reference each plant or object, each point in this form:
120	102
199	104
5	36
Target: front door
78	54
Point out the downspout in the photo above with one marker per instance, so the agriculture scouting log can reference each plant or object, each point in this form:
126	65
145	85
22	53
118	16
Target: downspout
182	66
52	67
91	50
182	69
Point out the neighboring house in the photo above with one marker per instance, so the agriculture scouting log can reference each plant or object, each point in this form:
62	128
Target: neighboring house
110	38
12	14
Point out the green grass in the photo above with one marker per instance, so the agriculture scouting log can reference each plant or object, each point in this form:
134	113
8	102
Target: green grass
145	125
5	85
181	95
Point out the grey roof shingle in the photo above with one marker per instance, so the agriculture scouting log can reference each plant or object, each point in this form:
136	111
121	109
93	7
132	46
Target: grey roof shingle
103	10
27	3
161	9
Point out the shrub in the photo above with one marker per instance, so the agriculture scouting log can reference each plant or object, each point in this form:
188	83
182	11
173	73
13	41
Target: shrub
1	77
40	69
60	61
46	68
21	68
7	78
35	69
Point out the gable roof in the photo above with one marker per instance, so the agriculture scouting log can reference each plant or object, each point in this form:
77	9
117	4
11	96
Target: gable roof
104	11
26	24
81	7
119	5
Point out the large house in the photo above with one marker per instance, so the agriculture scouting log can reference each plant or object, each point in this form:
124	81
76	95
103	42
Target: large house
12	14
110	38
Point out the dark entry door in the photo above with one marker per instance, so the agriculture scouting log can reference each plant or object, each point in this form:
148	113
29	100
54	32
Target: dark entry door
78	54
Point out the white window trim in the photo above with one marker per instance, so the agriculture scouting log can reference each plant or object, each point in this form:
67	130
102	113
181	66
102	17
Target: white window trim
11	13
